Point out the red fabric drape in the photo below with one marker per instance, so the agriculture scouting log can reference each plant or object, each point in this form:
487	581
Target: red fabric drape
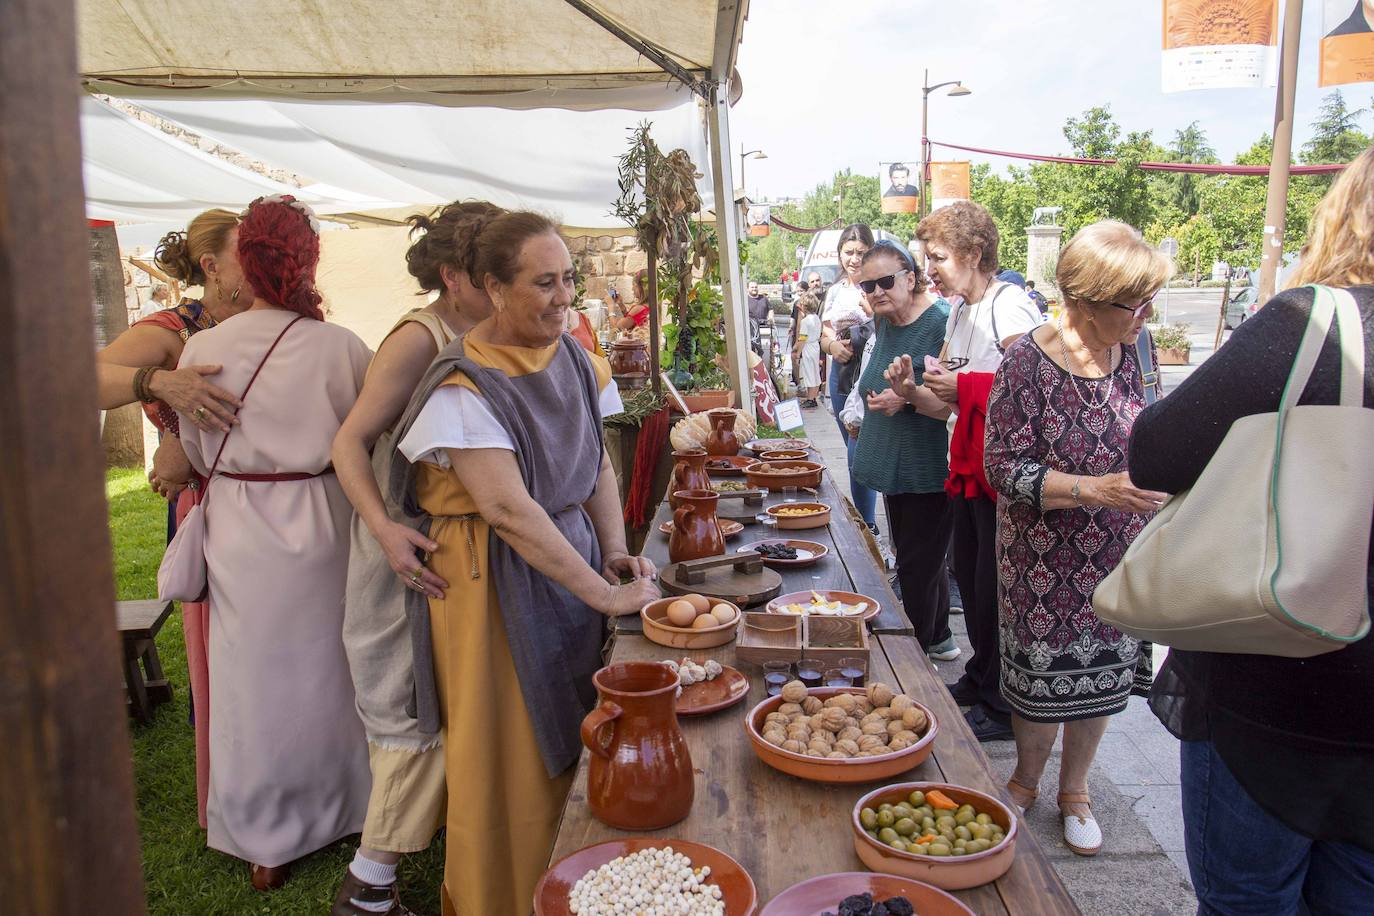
653	435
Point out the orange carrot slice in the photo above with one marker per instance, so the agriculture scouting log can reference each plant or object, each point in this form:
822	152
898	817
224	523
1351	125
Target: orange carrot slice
939	799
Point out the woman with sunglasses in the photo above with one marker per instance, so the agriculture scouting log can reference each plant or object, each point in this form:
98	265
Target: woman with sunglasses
901	450
845	308
1059	418
961	243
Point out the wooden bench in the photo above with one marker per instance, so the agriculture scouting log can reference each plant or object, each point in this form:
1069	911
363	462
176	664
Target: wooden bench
144	683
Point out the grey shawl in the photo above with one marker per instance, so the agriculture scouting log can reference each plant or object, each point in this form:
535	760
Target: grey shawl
554	419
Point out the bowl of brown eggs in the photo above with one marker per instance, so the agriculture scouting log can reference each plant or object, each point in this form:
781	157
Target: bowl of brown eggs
690	621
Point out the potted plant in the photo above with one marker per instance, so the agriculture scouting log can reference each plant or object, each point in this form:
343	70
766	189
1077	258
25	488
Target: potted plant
1172	344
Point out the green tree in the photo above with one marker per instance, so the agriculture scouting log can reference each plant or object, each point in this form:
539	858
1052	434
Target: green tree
1336	134
1189	145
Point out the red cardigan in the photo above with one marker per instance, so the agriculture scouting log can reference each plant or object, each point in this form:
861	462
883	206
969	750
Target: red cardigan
966	475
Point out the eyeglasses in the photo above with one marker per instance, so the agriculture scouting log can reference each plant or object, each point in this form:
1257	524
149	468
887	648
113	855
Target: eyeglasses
1135	310
882	282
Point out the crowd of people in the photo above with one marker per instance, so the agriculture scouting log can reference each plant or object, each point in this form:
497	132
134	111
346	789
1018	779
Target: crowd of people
412	555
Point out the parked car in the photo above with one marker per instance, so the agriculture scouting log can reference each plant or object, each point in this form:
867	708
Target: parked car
1243	304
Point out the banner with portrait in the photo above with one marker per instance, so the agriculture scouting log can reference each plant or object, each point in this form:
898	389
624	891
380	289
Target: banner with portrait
1347	48
1211	45
759	217
899	183
949	181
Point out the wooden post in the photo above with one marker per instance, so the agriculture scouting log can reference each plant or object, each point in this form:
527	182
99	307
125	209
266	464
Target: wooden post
68	838
655	320
1221	319
1276	207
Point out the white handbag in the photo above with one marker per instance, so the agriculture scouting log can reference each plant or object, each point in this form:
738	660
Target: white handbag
183	575
1268	552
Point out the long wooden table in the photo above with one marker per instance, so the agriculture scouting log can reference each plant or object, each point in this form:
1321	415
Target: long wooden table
784	830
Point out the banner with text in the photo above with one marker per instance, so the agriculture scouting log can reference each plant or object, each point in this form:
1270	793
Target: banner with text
900	194
949	181
1347	49
1210	45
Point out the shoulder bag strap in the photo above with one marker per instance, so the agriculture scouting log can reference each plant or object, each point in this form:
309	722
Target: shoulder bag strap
992	307
246	389
1351	331
1149	372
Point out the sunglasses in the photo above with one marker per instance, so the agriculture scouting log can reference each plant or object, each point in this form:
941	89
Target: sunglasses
954	363
882	282
1135	310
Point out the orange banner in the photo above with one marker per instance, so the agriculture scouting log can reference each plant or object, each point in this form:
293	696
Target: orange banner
1347	48
949	181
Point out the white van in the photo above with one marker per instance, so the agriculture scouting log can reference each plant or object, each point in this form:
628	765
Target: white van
823	256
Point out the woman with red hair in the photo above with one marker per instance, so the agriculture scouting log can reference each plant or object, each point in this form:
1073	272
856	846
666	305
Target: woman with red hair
291	771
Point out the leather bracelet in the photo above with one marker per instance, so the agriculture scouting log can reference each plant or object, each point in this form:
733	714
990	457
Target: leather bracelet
141	379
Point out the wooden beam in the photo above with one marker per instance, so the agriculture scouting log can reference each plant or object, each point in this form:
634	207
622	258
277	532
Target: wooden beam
68	838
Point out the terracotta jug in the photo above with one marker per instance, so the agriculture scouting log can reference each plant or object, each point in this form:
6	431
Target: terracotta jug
630	358
640	771
722	439
696	530
689	473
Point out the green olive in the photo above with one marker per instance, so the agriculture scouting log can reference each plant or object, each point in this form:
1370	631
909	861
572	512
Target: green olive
928	824
925	811
898	844
959	851
963	833
886	818
961	843
984	818
938	849
964	817
887	835
978	831
917	798
885	807
905	827
869	818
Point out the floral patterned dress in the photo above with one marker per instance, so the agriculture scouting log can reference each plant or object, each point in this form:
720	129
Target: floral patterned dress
1059	662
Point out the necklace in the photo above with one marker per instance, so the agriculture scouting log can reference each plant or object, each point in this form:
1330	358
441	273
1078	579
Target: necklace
1111	377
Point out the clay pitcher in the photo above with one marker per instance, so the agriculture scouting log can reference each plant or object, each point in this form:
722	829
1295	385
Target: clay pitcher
722	439
689	473
696	530
640	771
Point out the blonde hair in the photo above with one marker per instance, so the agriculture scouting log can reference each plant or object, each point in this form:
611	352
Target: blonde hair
807	302
179	253
1109	262
1340	242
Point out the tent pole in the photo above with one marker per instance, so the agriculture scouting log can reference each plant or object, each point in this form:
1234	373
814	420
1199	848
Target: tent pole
1276	206
659	58
69	839
727	233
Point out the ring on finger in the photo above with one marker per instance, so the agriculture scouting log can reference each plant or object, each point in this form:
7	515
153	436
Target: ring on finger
416	573
199	413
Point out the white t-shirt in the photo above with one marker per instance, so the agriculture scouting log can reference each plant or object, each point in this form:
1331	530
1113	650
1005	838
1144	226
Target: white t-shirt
969	330
458	417
844	306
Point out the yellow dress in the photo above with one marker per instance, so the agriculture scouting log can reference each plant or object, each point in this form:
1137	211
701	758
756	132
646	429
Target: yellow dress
503	809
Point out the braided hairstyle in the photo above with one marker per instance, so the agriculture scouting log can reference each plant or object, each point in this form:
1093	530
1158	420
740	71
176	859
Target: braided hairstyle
279	250
447	237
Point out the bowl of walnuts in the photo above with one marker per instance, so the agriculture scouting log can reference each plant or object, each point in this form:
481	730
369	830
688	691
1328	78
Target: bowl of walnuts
841	734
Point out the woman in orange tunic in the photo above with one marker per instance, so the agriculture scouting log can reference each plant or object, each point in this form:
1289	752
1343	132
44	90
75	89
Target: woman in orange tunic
505	431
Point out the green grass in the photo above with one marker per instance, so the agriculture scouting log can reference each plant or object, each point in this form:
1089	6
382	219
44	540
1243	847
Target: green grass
183	876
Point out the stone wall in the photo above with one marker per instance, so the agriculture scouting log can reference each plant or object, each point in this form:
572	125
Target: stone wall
1042	257
607	261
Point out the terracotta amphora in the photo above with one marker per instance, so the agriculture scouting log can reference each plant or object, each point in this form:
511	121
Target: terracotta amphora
722	439
640	771
696	530
629	357
689	473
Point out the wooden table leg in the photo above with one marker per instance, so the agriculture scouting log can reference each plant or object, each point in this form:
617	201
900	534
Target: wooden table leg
134	683
159	689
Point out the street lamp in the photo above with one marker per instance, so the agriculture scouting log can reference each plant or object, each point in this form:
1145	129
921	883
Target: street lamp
752	154
926	90
839	198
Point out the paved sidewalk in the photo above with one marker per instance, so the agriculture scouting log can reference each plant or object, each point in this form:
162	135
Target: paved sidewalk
1134	781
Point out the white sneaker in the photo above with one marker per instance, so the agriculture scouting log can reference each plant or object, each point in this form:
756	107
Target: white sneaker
889	558
945	651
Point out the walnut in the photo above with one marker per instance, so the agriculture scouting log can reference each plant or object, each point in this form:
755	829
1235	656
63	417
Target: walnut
811	705
871	742
873	717
847	745
849	733
880	694
862	706
884	711
874	728
789	709
799	733
795	747
895	726
837	755
817	744
845	701
811	752
910	737
901	703
775	737
793	692
898	744
914	719
817	722
833	720
775	718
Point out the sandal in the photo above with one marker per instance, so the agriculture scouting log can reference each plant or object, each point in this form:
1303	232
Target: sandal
1023	795
1082	835
269	877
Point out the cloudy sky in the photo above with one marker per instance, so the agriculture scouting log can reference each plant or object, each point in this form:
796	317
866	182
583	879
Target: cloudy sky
830	84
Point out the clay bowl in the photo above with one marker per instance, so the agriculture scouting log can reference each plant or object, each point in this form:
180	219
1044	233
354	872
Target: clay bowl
952	873
657	629
737	888
842	772
818	519
785	454
829	595
817	896
728	688
737	465
808	552
793	474
759	446
728	527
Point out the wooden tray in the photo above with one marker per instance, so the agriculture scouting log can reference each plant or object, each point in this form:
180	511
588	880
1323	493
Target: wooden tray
768	638
728	528
742	580
833	638
728	688
808	552
738	464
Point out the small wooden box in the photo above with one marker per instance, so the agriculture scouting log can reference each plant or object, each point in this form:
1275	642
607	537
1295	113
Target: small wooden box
768	637
833	638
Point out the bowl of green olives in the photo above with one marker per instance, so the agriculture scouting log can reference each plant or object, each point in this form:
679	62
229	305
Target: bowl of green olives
949	836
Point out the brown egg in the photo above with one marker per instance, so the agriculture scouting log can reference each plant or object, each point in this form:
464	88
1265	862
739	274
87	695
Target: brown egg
698	603
723	612
704	621
681	613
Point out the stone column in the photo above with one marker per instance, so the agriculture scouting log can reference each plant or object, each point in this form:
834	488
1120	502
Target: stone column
1042	256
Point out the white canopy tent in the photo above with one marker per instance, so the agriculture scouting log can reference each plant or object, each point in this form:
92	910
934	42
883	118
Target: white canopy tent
526	56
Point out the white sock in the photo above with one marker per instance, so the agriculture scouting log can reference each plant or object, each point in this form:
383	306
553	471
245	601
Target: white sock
376	874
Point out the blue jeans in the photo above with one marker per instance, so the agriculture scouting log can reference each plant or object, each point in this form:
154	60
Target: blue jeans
865	500
1244	861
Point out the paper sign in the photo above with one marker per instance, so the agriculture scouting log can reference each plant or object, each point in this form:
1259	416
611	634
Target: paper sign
789	415
1211	45
1347	46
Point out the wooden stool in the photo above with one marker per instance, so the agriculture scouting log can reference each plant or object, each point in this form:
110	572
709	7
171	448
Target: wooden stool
139	622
